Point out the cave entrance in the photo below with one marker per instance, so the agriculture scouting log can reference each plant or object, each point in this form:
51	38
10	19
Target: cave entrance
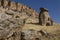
48	24
37	39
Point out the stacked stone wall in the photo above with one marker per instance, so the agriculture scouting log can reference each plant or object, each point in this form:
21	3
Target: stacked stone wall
17	6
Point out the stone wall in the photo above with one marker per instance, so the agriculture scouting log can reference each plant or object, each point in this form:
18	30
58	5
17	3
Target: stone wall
17	6
12	5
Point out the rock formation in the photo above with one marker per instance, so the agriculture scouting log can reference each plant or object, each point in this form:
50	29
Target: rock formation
17	7
10	24
13	17
29	33
44	18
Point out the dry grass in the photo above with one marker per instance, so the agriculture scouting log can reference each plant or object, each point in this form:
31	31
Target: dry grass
50	29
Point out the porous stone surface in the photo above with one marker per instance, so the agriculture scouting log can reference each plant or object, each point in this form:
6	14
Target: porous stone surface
44	17
12	19
11	24
20	22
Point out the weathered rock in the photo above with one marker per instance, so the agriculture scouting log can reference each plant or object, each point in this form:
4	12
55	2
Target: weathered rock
28	34
4	3
9	4
18	6
13	5
10	24
44	18
13	17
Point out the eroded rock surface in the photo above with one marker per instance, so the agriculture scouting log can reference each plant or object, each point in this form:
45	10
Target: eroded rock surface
10	23
44	17
14	16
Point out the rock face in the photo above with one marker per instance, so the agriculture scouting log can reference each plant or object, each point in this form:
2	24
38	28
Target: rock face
44	18
14	16
10	24
12	19
27	35
17	7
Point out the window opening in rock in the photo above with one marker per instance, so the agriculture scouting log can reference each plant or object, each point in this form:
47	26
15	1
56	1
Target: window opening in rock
17	16
37	39
48	19
48	24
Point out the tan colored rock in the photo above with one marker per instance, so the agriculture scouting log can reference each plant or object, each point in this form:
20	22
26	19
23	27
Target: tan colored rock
44	17
33	13
24	7
4	3
12	22
13	5
18	6
30	9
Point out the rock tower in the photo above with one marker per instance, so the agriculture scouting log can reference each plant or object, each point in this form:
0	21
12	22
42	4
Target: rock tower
44	18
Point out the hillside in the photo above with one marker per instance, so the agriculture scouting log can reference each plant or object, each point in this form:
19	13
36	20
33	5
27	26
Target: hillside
51	32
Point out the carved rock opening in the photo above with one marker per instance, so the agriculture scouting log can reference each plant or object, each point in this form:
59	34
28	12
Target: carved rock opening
36	38
48	24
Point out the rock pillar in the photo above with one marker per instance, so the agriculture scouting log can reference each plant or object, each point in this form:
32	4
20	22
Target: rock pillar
44	18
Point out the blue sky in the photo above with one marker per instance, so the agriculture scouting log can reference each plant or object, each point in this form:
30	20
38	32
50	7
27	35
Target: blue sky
52	5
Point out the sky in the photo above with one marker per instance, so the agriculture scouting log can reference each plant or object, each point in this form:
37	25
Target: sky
52	5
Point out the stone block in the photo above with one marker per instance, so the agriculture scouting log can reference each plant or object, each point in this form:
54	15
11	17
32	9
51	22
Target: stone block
18	6
4	3
24	7
13	5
